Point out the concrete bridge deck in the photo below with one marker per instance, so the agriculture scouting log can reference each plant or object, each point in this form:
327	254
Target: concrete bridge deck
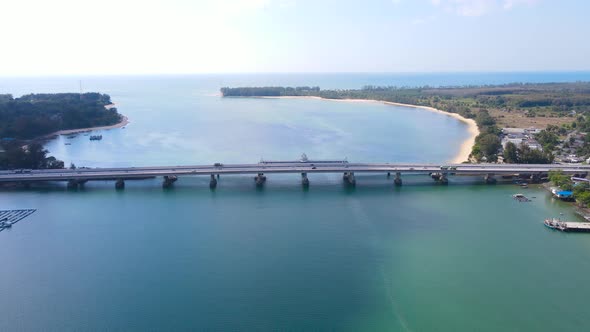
170	173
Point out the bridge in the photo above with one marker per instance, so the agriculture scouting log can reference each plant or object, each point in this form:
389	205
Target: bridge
170	174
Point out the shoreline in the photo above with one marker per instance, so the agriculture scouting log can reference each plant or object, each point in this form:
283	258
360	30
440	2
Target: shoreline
465	147
124	121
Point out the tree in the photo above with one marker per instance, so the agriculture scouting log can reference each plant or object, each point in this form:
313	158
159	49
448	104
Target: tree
547	139
583	197
510	153
488	144
558	178
32	156
526	155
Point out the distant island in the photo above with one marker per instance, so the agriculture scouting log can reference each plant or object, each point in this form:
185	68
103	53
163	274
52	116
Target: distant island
30	117
558	110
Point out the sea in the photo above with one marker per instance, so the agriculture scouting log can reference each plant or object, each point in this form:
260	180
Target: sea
374	257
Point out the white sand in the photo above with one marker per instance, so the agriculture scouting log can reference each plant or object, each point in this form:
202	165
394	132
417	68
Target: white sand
124	121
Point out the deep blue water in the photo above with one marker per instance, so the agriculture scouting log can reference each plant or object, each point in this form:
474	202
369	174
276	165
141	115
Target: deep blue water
210	83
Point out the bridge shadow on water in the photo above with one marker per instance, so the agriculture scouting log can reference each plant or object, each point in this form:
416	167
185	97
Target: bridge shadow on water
319	183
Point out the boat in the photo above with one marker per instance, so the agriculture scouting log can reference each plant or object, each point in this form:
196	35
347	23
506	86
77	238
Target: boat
555	223
95	137
520	198
567	226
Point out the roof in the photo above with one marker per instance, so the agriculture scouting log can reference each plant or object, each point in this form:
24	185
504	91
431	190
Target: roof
513	130
565	193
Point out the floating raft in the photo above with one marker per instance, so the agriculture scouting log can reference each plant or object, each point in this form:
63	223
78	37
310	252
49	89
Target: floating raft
11	217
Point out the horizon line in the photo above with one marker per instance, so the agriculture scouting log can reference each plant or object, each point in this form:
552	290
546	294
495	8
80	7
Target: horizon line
298	73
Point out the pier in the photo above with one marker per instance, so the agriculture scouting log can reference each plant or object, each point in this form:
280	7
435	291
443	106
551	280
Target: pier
304	167
567	226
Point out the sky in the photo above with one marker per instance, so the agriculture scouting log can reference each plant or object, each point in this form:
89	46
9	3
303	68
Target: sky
74	37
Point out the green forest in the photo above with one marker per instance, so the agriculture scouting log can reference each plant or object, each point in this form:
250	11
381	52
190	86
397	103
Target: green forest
36	115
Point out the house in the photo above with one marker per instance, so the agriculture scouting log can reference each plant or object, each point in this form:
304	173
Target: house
513	131
565	195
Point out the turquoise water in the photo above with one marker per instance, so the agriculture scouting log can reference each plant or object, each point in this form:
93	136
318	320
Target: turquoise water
418	258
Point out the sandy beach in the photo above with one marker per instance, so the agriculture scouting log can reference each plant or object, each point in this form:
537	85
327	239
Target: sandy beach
124	121
465	148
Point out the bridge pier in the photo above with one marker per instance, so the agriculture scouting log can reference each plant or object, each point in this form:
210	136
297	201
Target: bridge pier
260	179
213	181
120	184
75	183
304	180
444	179
169	180
440	178
489	178
72	184
349	178
398	179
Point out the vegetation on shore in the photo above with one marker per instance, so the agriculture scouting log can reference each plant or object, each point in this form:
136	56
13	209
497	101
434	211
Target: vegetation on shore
580	190
36	115
31	156
547	100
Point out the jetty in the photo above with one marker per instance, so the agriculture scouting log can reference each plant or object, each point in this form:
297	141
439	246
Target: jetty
567	226
303	167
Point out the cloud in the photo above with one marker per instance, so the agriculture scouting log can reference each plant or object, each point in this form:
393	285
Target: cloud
476	8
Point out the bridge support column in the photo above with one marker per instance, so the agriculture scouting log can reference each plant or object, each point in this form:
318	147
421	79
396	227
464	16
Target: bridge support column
398	179
72	184
349	178
120	184
535	178
260	179
440	178
304	180
489	178
169	180
213	182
